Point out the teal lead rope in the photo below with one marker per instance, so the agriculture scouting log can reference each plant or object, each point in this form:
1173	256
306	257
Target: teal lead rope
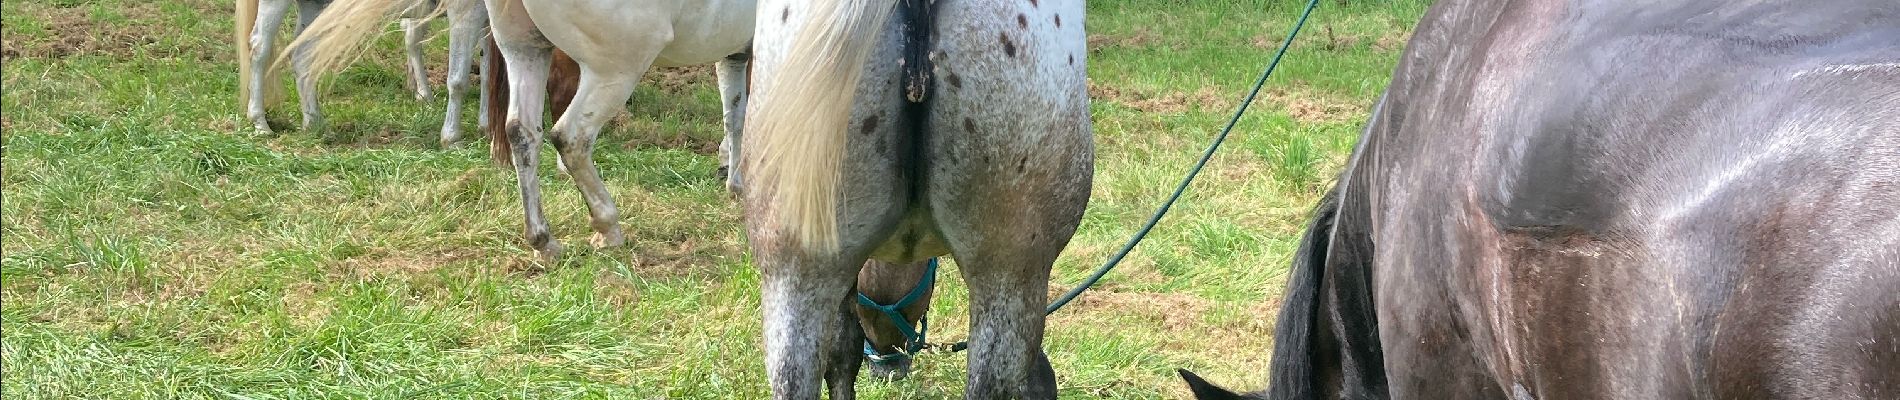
929	278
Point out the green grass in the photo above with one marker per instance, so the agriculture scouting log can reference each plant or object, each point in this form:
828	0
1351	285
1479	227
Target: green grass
153	249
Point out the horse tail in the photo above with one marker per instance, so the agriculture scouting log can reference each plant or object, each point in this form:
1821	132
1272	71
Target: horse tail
246	21
495	87
801	116
1294	335
1326	343
341	32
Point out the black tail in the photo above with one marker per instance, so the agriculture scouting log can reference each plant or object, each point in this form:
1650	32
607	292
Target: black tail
1326	341
1293	370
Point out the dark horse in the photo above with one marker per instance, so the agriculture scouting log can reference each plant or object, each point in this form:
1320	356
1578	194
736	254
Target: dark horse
1628	199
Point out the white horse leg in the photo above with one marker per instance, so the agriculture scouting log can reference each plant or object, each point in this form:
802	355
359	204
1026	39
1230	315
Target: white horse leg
307	10
412	31
528	56
612	59
270	17
732	95
467	21
600	97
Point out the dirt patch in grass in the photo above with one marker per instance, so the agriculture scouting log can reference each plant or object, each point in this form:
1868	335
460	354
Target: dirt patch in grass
1310	107
682	79
1165	102
1303	105
72	32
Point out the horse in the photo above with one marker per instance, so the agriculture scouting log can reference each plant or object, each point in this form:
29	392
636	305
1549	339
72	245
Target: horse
898	131
1631	199
254	42
614	44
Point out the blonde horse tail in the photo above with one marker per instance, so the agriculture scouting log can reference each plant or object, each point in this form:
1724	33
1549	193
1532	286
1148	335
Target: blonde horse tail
341	32
246	21
802	113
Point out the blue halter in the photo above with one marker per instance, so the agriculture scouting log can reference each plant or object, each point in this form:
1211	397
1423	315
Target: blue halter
913	337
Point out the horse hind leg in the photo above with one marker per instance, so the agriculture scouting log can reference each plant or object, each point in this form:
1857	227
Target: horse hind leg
307	11
732	95
599	98
270	18
1010	162
527	56
467	21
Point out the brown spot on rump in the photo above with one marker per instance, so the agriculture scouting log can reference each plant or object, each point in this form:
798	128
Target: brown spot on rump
1058	20
1009	48
870	125
1022	21
954	80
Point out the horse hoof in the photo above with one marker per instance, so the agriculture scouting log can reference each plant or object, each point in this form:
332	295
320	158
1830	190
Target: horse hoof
550	253
314	124
613	239
450	138
262	125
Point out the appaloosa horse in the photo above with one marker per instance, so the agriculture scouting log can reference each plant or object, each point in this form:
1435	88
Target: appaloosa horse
955	127
1622	199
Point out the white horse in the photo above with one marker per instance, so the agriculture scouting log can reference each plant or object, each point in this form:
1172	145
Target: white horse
976	144
614	41
468	21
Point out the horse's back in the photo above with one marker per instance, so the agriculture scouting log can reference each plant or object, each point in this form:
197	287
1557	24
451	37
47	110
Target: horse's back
1650	200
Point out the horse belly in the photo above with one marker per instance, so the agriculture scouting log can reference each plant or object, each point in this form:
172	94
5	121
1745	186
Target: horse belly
704	33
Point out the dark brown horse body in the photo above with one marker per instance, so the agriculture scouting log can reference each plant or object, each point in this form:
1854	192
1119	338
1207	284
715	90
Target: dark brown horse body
1624	199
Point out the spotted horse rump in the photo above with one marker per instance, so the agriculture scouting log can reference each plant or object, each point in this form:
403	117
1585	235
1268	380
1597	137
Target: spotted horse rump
895	132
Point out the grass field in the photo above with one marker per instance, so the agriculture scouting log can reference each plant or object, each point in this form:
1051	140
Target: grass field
155	248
